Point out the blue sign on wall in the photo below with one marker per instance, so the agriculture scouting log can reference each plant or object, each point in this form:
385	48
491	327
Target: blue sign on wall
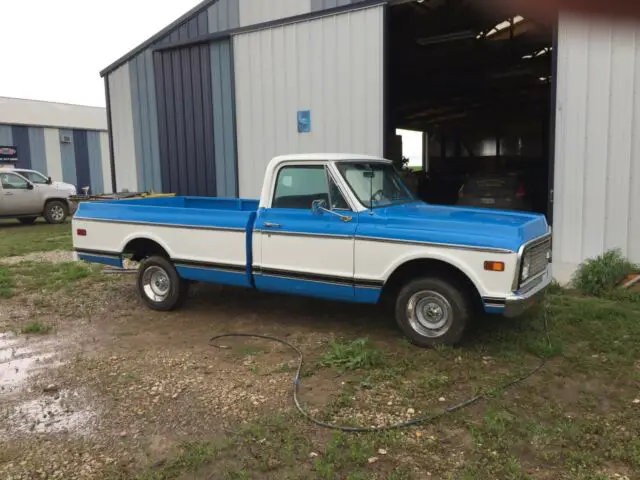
304	121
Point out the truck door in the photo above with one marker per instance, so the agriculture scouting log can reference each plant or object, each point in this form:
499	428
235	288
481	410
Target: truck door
305	251
19	197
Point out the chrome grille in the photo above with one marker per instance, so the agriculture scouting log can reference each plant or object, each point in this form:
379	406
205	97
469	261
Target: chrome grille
537	256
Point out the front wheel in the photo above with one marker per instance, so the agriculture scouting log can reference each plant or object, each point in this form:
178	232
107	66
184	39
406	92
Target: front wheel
433	311
160	286
56	211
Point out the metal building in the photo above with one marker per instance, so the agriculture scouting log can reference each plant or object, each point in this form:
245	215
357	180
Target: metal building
201	107
69	143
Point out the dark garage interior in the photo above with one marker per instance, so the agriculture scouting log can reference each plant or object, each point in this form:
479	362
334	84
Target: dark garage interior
479	84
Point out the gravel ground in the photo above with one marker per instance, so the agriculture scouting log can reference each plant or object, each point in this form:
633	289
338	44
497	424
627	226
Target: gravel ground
126	385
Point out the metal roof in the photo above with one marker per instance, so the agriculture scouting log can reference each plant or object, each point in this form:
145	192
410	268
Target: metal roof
158	36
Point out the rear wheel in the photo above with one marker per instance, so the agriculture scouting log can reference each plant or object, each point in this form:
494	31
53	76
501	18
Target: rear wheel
433	311
160	286
27	220
56	211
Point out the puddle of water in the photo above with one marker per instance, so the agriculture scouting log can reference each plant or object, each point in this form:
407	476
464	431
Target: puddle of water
56	413
21	357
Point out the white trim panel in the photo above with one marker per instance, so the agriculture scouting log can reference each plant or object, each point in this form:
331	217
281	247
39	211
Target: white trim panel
208	246
122	129
53	154
597	180
253	12
18	111
105	158
332	66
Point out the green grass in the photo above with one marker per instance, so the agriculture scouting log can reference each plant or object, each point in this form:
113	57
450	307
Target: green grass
44	277
601	274
17	239
6	282
36	328
358	354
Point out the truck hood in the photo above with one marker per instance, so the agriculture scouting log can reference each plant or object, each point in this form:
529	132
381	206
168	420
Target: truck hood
471	227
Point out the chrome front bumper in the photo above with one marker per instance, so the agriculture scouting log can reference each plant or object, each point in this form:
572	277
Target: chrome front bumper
517	303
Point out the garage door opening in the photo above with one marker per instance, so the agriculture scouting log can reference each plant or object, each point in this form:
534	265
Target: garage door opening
479	85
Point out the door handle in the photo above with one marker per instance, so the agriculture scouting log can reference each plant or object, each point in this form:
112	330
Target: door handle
272	225
9	193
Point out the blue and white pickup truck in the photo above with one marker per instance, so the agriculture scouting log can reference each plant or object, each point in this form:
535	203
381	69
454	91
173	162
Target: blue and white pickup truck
334	226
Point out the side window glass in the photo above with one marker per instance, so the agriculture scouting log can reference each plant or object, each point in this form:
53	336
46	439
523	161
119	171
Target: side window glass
338	201
298	187
11	181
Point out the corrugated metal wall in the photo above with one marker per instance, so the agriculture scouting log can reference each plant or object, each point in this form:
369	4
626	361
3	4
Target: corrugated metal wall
597	179
79	162
183	86
154	135
332	66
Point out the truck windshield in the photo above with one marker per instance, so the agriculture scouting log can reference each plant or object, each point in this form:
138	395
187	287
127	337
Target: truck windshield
375	184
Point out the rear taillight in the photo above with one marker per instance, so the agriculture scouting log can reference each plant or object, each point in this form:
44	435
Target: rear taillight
521	192
81	232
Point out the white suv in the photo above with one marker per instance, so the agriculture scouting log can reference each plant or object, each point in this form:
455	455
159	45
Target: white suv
27	195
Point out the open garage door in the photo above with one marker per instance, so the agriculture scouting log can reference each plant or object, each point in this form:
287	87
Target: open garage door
479	84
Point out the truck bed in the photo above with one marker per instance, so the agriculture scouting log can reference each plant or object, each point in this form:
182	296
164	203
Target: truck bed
209	239
187	211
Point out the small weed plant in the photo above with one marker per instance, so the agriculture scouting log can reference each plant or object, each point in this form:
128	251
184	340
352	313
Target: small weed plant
358	354
600	275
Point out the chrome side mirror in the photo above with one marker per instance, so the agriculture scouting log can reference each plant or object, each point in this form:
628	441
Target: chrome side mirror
318	207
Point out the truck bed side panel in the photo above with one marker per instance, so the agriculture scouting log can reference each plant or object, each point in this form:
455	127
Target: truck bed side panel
206	244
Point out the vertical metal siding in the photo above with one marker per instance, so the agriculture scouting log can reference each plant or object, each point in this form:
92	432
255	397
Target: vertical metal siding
319	5
68	158
183	88
53	153
332	66
597	184
81	151
145	122
21	141
106	163
6	135
253	12
123	129
196	26
95	162
38	150
224	15
223	118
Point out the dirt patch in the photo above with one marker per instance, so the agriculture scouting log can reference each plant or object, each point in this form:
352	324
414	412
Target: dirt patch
51	257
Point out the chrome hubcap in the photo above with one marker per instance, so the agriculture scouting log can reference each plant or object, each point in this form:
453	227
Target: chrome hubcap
57	212
156	284
429	314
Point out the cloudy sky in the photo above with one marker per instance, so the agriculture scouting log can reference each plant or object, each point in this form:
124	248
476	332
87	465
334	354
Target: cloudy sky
54	49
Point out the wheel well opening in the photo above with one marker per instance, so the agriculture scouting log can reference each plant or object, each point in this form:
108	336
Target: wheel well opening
142	248
49	200
432	268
